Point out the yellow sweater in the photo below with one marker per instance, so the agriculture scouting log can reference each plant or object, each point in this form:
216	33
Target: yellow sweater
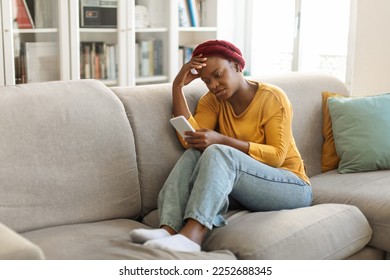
265	124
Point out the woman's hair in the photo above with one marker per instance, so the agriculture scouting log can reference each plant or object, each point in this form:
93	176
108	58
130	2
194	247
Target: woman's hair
221	49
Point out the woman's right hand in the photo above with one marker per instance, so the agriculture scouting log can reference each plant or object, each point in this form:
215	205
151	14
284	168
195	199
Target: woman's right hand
185	76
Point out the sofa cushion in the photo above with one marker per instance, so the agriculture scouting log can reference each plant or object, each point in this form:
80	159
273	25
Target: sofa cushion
14	246
369	191
368	253
329	158
107	240
361	129
66	155
328	231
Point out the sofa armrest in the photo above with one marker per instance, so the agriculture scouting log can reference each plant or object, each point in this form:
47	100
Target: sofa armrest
14	246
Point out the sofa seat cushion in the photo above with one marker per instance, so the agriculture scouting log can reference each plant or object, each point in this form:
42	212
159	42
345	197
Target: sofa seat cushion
328	231
369	191
107	240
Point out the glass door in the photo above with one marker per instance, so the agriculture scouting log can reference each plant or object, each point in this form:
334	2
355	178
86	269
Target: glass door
151	54
32	41
95	38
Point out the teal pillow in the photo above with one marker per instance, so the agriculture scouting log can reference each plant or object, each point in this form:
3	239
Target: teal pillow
361	130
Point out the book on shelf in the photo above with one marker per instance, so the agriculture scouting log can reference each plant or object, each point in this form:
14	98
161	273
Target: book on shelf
37	62
194	13
191	13
20	69
184	16
150	58
24	18
111	62
185	53
31	7
35	13
98	61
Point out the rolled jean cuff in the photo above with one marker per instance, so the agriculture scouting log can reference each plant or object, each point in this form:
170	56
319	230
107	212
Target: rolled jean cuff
218	220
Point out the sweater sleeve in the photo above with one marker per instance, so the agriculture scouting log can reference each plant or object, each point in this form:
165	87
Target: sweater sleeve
277	129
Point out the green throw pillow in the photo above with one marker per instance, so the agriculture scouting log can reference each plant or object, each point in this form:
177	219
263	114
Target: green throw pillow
361	130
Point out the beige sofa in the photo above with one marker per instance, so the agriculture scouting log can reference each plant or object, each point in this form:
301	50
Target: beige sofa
82	164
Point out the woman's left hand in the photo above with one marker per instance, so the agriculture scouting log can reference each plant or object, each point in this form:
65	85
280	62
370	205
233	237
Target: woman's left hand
203	138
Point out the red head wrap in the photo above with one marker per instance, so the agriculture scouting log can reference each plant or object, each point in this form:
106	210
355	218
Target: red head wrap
221	49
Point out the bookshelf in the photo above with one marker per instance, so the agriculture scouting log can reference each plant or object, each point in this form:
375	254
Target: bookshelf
191	33
28	27
126	37
152	41
127	47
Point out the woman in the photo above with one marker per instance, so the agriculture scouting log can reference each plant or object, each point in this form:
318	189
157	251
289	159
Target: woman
243	147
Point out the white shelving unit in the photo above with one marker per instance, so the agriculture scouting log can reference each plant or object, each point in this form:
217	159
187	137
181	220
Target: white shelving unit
124	36
207	29
67	33
14	38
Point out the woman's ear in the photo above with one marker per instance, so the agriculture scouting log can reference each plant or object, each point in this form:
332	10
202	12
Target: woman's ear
235	66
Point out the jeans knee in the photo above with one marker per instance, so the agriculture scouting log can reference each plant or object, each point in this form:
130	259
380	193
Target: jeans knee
215	149
219	152
218	148
192	153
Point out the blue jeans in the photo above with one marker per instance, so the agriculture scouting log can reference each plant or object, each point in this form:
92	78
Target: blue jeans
200	184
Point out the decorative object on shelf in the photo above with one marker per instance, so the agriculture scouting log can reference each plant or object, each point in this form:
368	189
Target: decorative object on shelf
98	14
141	17
41	61
157	11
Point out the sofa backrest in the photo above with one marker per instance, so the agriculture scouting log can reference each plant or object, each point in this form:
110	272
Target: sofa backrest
305	93
66	155
149	108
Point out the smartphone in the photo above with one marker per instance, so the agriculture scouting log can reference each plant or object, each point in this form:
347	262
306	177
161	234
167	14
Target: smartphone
181	124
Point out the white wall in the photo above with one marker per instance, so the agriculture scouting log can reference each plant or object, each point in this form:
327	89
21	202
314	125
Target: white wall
370	48
233	21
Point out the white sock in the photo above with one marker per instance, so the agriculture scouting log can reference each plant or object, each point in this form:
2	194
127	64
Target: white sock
142	235
175	242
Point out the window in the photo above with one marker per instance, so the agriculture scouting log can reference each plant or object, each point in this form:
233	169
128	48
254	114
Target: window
299	35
